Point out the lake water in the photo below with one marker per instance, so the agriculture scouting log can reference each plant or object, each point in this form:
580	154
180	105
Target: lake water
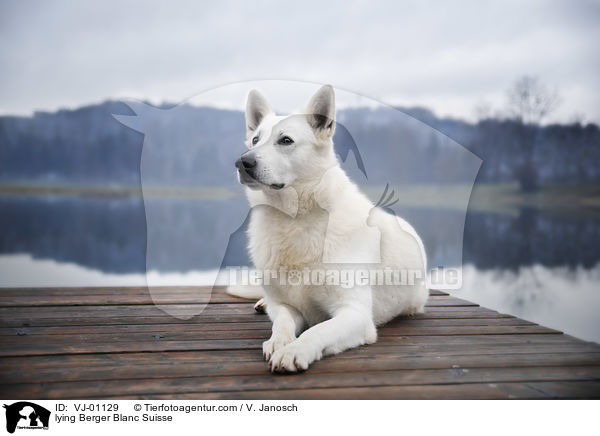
538	266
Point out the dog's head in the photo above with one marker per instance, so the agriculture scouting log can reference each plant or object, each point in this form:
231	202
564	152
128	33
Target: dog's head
287	150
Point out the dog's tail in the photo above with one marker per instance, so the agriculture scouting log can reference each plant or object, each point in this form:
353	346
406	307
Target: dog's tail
246	291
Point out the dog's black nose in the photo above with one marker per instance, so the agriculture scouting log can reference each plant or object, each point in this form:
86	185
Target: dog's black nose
247	161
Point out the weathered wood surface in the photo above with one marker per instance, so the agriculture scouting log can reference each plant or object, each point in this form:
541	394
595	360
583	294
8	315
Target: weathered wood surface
115	343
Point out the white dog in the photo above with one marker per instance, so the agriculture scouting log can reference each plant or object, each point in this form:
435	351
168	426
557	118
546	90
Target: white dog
308	217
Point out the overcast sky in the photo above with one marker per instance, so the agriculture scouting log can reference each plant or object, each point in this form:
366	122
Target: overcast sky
448	57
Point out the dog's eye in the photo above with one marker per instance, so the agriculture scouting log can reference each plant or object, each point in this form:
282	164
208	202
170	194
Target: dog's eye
254	140
286	140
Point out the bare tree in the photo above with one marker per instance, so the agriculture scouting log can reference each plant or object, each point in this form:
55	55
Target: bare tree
530	101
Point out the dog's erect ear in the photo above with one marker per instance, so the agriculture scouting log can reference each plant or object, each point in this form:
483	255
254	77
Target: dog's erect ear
256	109
320	111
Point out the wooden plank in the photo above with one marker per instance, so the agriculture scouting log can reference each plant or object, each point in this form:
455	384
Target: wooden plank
93	389
176	309
113	290
253	337
133	295
472	391
448	301
471	349
555	390
374	351
258	334
164	344
120	290
260	323
126	290
97	315
92	290
123	310
55	370
465	330
255	330
163	299
159	319
254	347
114	296
110	300
140	296
206	318
266	332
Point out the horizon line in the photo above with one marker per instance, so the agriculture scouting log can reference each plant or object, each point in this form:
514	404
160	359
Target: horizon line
340	107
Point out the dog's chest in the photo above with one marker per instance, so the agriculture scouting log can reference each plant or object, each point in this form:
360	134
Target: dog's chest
278	240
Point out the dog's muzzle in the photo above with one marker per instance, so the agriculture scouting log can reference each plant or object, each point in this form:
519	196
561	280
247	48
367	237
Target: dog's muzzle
246	163
246	166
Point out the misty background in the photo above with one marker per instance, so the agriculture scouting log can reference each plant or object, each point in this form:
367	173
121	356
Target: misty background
516	84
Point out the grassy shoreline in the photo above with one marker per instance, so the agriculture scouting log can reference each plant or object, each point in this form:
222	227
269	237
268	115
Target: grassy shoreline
115	191
498	198
504	198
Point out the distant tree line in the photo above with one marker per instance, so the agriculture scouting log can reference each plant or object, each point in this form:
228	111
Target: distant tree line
88	145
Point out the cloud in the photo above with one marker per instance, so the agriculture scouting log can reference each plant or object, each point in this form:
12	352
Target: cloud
449	57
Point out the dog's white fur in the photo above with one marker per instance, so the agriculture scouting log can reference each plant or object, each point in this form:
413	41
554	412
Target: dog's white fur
318	220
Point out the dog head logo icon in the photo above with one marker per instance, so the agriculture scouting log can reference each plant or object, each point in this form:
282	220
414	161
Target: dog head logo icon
26	415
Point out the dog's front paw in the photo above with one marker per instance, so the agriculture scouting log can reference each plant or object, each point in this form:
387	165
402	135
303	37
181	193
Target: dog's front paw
292	358
274	344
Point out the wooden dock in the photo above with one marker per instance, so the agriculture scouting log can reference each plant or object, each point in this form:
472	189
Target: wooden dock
114	343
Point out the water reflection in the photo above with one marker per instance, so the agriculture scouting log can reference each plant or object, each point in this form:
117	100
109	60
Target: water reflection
109	234
541	267
563	298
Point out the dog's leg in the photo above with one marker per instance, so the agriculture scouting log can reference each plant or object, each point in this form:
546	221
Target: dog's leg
349	328
287	323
